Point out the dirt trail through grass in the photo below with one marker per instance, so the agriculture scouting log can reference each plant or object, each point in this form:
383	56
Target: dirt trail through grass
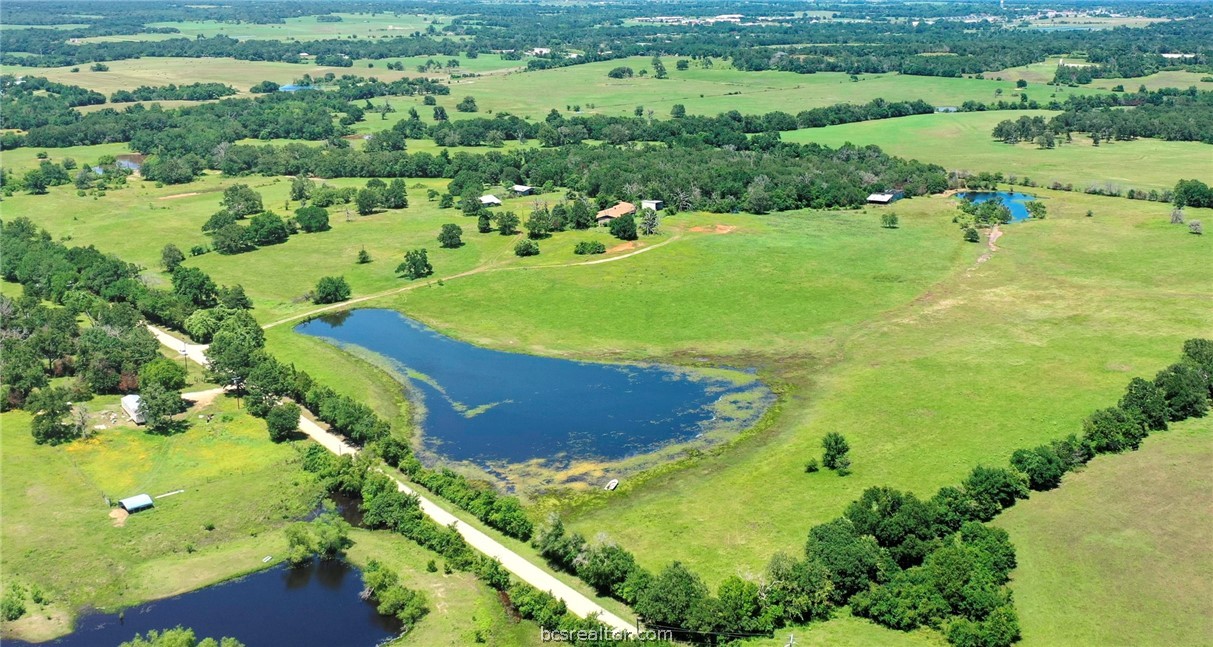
490	266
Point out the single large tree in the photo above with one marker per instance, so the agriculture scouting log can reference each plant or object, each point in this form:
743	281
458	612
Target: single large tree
416	264
450	237
331	289
241	200
171	257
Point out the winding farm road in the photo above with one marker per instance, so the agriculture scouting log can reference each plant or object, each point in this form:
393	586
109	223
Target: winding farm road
479	270
512	561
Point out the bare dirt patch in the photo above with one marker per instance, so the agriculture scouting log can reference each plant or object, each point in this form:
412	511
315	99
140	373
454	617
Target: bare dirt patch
177	195
119	516
623	247
716	229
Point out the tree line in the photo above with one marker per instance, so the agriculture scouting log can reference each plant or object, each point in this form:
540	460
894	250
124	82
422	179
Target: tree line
1170	115
896	559
173	92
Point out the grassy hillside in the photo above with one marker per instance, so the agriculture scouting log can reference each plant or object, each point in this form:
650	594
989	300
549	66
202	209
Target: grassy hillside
1127	538
962	141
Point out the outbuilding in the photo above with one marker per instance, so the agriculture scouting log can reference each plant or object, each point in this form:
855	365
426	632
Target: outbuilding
136	503
130	405
652	205
522	189
490	201
617	211
884	198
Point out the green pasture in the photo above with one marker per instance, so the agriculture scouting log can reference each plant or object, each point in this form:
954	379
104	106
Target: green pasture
1127	538
719	89
131	73
352	25
962	141
887	336
58	534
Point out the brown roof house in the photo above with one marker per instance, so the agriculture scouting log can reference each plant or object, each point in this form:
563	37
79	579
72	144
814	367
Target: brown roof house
619	210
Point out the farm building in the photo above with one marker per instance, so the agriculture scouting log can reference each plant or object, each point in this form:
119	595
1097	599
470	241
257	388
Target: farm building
490	201
654	205
130	405
522	189
884	198
617	211
947	109
136	503
291	87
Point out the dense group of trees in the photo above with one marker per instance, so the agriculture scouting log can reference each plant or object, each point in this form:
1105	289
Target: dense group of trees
1170	114
767	176
173	92
385	507
115	353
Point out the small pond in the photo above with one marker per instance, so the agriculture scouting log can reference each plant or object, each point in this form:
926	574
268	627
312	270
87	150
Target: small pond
1016	202
316	605
488	406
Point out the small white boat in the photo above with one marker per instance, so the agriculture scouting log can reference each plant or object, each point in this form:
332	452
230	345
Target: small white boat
614	483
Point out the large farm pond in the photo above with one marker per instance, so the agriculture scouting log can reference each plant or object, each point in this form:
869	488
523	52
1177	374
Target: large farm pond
318	605
493	408
1015	202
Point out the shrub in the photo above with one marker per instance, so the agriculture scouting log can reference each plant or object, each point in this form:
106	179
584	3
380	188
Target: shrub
526	247
331	289
283	420
589	247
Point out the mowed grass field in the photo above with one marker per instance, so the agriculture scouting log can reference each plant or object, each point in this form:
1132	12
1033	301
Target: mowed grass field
962	141
1122	553
927	367
718	89
352	25
58	535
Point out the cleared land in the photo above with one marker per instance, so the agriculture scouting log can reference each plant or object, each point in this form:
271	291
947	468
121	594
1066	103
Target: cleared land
357	25
1129	538
57	530
927	367
962	141
717	89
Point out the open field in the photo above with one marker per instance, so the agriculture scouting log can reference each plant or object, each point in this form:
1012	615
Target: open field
932	370
1093	22
58	535
719	89
1130	538
352	25
962	141
277	277
241	75
1166	79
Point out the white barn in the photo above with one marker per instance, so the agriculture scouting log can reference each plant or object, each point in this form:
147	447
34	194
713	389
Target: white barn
130	405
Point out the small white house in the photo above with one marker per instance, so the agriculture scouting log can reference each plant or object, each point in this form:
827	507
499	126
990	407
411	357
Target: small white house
522	189
490	201
653	205
130	405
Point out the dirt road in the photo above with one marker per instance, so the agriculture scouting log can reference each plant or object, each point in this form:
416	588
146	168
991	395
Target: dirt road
512	561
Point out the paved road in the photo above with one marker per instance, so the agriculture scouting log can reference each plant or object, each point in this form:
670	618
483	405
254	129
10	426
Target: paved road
512	561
